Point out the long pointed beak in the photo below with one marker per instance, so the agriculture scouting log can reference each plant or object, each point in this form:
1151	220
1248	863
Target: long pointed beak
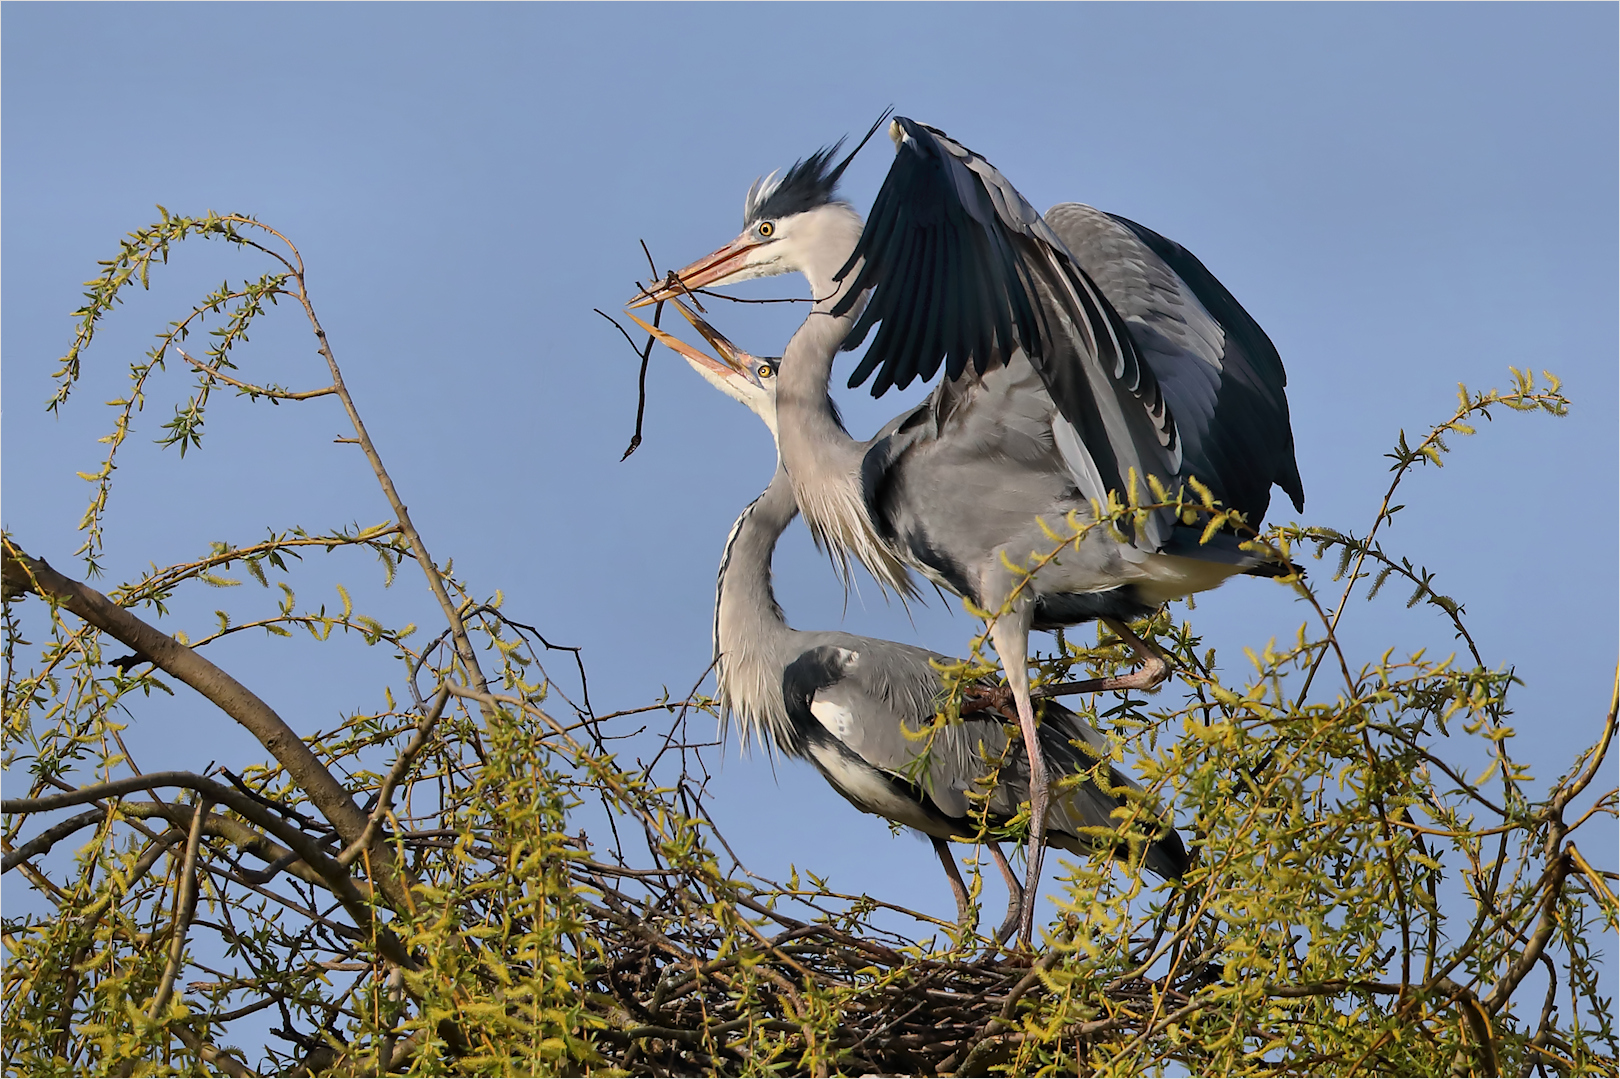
732	360
702	273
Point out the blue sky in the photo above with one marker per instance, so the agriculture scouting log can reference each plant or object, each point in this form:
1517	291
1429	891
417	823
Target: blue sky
1406	197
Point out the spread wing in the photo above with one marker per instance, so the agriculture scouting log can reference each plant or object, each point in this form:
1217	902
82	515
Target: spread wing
1220	374
964	271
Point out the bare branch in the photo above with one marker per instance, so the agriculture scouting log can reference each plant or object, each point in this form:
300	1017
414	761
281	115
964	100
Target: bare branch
335	877
185	909
257	391
27	574
385	793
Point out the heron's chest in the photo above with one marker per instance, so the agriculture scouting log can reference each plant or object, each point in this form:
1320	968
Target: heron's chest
869	789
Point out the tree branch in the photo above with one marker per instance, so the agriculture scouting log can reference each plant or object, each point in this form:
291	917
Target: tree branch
22	573
185	907
333	876
208	1054
452	614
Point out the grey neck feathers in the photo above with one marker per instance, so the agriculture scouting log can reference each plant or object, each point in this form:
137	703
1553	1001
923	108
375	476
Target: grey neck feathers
801	392
822	459
751	637
827	236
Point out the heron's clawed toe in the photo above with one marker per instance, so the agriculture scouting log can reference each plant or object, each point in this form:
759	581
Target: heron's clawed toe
1155	666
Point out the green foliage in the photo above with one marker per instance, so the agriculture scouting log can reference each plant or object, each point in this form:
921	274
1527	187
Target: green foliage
1378	886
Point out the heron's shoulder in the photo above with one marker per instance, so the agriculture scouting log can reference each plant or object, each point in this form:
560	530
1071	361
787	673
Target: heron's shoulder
997	419
841	666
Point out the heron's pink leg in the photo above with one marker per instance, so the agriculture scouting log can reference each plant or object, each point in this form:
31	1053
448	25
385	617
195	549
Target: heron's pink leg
1010	635
964	910
1015	895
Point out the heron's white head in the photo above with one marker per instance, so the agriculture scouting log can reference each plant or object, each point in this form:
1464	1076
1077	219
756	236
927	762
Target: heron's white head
815	242
738	374
792	221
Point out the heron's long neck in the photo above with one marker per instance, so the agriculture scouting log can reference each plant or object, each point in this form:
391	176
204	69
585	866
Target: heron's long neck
751	637
811	431
822	459
806	417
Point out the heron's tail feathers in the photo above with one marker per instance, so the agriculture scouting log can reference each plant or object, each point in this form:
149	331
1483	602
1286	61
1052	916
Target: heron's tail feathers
1093	807
1167	855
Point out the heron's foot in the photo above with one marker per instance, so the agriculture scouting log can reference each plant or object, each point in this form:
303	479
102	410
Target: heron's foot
984	698
1143	678
1152	673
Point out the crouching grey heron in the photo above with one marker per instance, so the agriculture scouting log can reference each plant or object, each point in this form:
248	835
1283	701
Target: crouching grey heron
1084	355
862	709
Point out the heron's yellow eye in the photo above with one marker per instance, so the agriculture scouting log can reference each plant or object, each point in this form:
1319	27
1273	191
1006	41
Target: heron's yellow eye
765	370
766	228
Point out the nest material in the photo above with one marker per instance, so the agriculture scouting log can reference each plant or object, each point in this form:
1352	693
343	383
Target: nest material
677	1009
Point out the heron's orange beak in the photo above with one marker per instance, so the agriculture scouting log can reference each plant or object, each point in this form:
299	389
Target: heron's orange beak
704	272
732	360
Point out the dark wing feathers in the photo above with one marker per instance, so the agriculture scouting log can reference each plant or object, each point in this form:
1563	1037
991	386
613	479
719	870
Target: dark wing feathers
1219	373
1251	412
932	216
1154	363
964	271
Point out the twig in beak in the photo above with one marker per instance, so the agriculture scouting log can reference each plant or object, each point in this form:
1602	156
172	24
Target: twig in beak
641	381
739	299
646	353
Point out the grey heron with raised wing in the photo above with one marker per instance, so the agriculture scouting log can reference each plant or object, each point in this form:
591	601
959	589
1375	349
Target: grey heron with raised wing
863	710
1085	357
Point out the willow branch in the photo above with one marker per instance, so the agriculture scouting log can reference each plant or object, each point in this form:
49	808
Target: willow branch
452	613
185	908
51	836
385	793
250	388
335	878
24	573
209	1054
1594	756
1548	923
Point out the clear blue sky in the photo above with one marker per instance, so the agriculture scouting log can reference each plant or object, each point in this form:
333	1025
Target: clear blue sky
1406	197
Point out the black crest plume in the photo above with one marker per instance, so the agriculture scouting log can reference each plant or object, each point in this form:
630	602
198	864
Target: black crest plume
807	184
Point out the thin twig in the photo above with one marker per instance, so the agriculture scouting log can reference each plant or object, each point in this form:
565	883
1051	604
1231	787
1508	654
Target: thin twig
385	793
259	391
185	908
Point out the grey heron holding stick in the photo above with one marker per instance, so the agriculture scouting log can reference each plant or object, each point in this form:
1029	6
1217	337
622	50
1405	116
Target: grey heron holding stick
1085	356
862	710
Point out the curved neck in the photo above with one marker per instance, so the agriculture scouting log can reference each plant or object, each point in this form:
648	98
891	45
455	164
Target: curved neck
821	458
823	241
825	238
751	637
745	603
807	419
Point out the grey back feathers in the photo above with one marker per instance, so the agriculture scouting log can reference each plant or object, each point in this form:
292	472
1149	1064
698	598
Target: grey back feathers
855	707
